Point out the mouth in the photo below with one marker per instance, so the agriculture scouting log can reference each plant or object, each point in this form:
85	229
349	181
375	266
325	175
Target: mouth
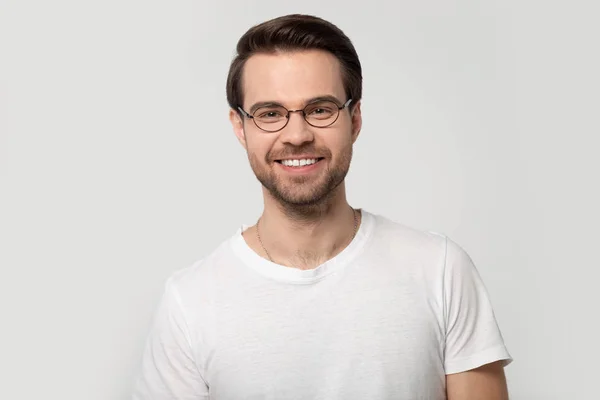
300	165
299	162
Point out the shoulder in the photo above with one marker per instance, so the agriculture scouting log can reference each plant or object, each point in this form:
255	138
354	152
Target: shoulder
398	237
198	281
425	248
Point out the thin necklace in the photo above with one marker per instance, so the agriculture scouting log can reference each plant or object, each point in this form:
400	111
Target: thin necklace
268	255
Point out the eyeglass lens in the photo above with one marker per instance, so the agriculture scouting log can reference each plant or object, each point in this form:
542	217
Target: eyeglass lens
319	114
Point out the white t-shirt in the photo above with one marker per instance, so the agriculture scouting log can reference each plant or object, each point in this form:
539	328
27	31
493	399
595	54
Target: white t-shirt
387	318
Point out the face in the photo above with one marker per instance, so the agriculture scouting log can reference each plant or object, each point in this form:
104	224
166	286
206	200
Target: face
294	80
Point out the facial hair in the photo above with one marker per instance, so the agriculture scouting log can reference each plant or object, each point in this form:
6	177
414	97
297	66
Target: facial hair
302	192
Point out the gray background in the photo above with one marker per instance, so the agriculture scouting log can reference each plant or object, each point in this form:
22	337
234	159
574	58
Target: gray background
118	166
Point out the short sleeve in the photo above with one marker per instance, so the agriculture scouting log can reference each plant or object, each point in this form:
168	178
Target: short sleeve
168	369
473	337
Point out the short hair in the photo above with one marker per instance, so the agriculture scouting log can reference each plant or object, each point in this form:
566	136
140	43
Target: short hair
295	32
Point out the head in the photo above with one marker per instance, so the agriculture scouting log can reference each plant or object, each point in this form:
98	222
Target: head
308	66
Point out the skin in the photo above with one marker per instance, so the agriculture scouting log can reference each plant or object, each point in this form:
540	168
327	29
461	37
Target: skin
306	218
484	383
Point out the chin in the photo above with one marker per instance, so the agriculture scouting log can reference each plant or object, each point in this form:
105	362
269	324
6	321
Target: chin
309	195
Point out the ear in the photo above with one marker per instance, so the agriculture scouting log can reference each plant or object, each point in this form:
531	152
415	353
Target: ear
237	124
356	121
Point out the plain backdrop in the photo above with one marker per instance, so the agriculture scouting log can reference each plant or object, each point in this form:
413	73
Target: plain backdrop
118	167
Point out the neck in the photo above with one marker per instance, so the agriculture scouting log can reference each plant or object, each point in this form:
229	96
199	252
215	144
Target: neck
306	236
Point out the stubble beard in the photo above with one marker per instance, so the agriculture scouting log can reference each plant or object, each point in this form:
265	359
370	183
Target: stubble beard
302	195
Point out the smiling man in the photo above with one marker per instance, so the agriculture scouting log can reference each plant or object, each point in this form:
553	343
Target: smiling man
318	300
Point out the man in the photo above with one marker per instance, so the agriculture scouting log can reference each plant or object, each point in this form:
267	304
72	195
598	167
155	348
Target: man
318	300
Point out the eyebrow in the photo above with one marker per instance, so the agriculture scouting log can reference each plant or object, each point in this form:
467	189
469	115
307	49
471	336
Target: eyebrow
272	103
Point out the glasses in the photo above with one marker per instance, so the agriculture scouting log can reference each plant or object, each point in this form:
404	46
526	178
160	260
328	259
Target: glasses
319	114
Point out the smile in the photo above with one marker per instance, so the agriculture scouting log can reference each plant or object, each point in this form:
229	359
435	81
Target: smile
300	162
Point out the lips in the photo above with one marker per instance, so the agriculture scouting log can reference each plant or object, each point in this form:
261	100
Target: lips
299	162
297	167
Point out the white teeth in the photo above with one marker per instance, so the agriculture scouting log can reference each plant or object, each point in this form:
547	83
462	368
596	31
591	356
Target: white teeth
299	163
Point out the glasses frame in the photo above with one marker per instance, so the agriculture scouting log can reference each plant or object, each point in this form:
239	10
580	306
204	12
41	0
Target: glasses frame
289	112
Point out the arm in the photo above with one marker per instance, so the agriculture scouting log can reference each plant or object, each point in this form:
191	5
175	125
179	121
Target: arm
475	354
487	382
169	370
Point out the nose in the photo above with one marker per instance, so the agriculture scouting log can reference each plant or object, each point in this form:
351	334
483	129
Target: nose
297	131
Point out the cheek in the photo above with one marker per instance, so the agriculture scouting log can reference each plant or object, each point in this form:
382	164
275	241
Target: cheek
339	142
259	145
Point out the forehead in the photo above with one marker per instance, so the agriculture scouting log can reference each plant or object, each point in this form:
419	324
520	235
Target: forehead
291	78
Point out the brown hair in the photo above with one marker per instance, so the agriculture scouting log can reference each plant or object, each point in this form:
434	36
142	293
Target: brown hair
290	33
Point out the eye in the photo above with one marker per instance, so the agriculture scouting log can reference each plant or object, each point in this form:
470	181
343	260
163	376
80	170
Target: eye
321	110
270	113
